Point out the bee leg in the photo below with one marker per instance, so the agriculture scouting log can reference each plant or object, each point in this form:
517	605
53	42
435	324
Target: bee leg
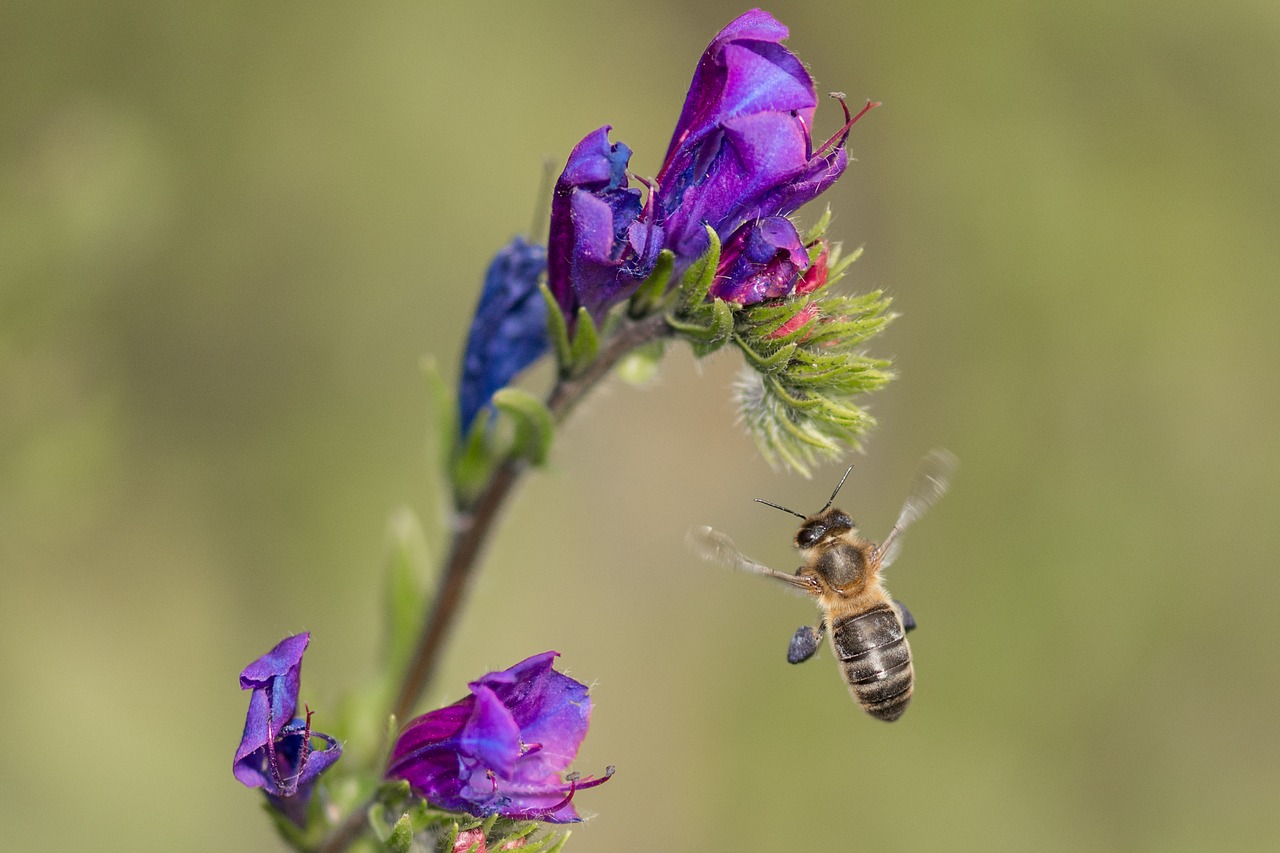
805	643
908	621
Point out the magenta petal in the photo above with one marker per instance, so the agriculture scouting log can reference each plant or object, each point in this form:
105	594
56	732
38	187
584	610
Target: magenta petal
742	149
491	735
595	258
503	748
763	260
278	753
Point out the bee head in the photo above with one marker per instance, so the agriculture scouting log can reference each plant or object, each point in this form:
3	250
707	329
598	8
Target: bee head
829	523
823	523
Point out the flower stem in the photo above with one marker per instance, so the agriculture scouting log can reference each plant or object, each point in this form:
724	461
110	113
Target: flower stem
477	522
475	525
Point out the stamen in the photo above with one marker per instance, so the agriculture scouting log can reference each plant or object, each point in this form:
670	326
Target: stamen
843	133
575	785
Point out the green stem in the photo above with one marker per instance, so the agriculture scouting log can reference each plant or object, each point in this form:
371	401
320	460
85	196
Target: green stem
474	527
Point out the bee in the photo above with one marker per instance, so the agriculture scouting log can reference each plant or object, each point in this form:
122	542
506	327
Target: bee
842	571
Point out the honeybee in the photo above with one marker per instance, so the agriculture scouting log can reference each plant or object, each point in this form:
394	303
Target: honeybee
842	571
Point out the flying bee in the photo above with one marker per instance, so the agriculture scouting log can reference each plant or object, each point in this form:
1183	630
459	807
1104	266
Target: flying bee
842	571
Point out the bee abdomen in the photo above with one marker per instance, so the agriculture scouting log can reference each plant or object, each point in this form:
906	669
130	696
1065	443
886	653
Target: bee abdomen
876	661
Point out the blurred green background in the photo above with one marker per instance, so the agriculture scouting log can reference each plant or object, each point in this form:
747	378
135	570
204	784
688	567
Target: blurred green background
228	232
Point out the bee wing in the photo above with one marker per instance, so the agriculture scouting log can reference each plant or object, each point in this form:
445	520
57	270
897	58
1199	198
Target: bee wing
932	479
712	545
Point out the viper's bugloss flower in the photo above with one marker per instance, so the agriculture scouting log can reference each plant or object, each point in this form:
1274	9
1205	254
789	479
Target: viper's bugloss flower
509	330
278	751
603	241
743	148
763	259
502	749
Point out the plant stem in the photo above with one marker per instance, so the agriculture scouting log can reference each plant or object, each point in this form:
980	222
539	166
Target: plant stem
471	534
477	522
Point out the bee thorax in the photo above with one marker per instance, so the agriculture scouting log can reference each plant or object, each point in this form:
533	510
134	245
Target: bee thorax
841	564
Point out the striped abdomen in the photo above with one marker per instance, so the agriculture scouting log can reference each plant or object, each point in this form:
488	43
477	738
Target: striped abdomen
876	661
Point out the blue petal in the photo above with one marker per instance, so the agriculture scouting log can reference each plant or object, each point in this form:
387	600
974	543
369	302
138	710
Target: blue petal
509	330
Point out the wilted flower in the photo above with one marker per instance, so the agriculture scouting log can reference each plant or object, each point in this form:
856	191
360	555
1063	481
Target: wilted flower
509	330
277	752
502	749
743	148
603	241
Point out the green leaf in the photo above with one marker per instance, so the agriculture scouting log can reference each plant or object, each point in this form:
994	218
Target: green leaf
407	568
651	293
445	409
586	343
534	426
557	329
474	461
639	366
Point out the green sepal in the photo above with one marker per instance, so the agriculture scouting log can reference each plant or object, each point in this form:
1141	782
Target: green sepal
819	229
717	332
557	328
767	363
651	293
586	343
837	265
701	274
401	838
534	426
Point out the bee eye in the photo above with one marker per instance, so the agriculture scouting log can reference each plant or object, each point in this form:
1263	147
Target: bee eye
842	520
808	537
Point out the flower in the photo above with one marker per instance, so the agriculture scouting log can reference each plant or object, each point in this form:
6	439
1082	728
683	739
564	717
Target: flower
603	241
502	749
762	260
742	149
509	330
277	752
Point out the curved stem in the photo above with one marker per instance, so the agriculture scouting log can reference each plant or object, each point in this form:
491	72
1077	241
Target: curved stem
476	524
471	534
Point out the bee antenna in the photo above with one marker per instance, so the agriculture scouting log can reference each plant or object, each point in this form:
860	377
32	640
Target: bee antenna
783	508
832	499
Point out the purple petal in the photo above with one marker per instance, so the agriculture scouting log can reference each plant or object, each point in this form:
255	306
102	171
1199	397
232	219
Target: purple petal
601	243
282	755
491	734
742	149
762	260
503	748
274	679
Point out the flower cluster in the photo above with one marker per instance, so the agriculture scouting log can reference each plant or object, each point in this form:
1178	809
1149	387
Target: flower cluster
278	752
502	749
741	160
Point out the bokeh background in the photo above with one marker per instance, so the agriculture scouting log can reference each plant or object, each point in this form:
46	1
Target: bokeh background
230	230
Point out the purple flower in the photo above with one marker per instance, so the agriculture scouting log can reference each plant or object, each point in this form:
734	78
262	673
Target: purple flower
277	752
502	749
603	241
762	260
509	330
743	149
